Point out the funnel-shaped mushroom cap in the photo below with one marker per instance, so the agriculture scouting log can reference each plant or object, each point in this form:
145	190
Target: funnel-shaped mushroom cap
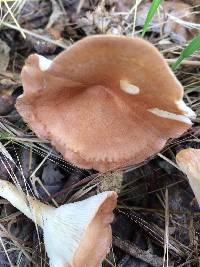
83	232
189	162
106	102
75	235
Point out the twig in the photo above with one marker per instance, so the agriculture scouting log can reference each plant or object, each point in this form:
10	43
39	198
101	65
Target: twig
169	161
135	15
136	252
31	33
13	17
184	62
72	187
80	5
166	241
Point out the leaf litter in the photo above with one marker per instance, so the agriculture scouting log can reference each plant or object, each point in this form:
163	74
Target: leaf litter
157	216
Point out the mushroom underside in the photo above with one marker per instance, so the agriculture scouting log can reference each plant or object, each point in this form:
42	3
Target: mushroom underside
97	239
79	234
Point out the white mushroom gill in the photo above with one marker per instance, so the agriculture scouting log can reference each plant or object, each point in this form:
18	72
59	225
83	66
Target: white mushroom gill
66	227
44	63
129	88
169	115
75	218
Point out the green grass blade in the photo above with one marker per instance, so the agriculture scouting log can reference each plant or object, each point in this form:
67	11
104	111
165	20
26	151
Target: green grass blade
192	47
154	6
4	136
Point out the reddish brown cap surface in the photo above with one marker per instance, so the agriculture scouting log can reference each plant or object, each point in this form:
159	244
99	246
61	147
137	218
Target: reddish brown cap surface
189	162
106	102
97	239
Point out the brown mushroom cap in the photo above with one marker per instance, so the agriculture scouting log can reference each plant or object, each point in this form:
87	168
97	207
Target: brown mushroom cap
97	239
189	162
104	103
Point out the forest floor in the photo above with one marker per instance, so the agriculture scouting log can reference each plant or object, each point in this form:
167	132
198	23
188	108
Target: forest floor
157	221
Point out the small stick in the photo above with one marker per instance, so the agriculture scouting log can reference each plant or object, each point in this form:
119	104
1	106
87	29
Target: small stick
184	62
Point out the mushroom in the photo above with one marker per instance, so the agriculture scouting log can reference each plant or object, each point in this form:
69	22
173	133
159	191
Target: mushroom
75	235
107	102
189	162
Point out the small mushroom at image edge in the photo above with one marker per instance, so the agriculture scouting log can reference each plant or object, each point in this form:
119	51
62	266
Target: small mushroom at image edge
75	235
106	102
189	162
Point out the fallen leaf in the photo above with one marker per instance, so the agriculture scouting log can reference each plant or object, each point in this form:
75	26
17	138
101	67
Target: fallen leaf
4	55
6	104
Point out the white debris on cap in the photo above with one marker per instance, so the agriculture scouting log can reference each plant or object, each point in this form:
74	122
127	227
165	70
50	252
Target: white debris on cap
188	111
44	63
169	115
21	96
129	88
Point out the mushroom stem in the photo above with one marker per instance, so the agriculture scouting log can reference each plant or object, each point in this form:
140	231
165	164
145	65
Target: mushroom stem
32	208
